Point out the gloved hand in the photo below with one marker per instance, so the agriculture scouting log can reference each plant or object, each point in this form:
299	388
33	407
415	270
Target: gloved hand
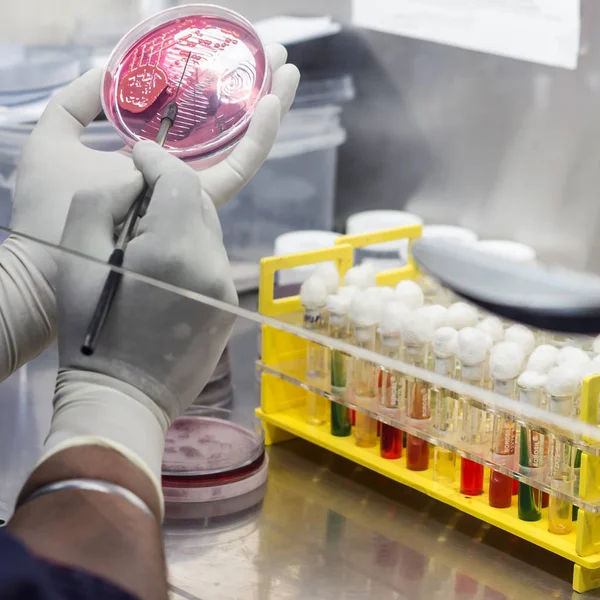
55	164
158	348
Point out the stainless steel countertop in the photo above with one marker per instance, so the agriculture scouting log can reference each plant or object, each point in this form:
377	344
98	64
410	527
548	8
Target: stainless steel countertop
329	529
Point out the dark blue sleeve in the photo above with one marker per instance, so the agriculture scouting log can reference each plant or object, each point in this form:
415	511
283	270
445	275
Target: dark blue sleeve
23	576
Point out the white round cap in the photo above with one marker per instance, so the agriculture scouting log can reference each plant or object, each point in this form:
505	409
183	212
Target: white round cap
376	220
301	241
507	249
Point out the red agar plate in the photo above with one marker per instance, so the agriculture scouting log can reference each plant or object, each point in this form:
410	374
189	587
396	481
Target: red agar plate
221	64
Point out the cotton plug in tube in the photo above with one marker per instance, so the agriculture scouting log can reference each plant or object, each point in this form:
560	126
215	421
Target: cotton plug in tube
417	334
572	355
328	273
562	387
530	386
519	334
362	277
364	318
437	313
461	315
313	297
338	307
445	402
410	294
506	362
472	354
542	359
493	327
390	383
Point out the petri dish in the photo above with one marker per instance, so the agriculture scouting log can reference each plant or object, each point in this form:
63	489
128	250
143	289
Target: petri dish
211	442
209	59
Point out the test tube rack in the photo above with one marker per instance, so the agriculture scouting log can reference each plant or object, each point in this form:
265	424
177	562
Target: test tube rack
284	393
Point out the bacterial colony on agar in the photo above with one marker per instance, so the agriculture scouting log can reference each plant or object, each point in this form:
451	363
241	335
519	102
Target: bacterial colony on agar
220	68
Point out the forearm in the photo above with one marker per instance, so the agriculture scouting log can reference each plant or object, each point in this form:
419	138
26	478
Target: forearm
27	303
103	534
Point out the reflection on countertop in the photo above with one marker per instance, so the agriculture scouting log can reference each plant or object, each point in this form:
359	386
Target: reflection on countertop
329	529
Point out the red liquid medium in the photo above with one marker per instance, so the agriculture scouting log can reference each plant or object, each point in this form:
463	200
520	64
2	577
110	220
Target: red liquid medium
471	478
391	442
223	72
417	453
501	490
545	500
515	490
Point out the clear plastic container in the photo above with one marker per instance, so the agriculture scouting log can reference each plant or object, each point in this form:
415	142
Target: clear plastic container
31	73
209	59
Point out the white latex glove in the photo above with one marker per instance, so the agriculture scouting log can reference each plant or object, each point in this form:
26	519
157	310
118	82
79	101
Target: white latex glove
55	165
158	349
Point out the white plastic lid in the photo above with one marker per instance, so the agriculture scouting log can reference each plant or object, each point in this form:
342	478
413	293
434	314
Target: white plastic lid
514	251
301	241
376	220
450	233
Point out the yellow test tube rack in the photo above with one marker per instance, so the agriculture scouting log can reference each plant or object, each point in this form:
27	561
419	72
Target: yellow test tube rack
283	397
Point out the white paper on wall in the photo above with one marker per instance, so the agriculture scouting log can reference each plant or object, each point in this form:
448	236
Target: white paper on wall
541	31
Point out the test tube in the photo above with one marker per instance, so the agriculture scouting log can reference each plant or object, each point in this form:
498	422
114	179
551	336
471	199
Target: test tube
313	296
337	308
472	354
390	384
506	361
444	403
417	334
532	442
562	386
364	317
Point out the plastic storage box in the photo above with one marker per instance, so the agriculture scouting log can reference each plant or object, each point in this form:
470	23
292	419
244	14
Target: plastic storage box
294	189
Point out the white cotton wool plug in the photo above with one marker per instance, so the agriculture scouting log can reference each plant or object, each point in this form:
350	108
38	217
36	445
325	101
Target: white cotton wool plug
506	360
596	345
313	293
328	272
563	381
417	328
445	341
493	327
362	277
543	358
437	312
393	315
472	346
570	354
460	315
365	310
338	304
410	293
519	334
348	290
531	380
